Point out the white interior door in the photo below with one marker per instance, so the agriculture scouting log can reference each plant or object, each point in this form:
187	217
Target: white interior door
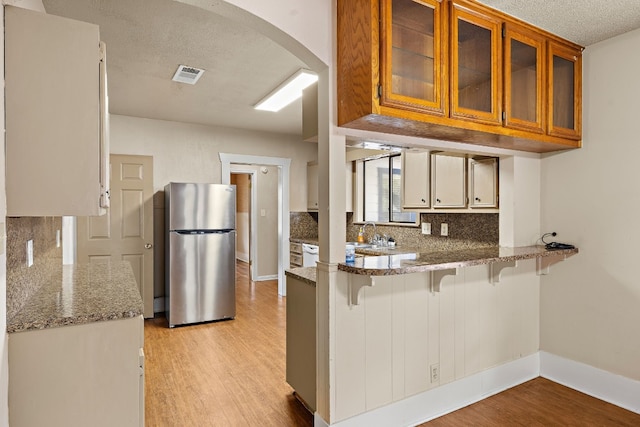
125	233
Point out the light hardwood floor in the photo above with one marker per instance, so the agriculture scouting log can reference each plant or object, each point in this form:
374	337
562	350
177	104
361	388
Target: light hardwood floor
232	373
227	373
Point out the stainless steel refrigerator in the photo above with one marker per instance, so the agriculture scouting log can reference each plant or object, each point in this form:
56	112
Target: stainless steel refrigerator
200	248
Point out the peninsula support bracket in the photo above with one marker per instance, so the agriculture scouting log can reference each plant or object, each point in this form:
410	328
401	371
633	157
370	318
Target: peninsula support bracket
437	276
355	283
495	270
543	263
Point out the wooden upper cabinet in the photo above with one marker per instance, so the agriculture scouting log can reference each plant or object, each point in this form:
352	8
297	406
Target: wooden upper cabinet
524	77
456	70
565	91
476	55
412	71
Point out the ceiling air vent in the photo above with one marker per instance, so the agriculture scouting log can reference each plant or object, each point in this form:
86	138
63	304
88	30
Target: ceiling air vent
186	74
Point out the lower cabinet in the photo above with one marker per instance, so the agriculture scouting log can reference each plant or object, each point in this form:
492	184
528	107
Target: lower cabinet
301	340
81	375
295	254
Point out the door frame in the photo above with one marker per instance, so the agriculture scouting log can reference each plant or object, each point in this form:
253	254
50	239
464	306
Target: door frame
238	169
284	165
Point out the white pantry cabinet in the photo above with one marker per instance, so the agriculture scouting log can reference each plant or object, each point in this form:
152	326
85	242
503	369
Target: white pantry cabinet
415	179
81	375
56	116
483	183
448	175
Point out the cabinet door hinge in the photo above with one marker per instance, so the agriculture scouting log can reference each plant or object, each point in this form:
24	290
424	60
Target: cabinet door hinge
504	115
379	91
504	31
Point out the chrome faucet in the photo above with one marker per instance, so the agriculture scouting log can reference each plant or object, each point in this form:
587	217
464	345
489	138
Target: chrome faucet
375	235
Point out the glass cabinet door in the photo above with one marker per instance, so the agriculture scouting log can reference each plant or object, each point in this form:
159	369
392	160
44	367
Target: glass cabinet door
524	76
411	64
565	91
476	63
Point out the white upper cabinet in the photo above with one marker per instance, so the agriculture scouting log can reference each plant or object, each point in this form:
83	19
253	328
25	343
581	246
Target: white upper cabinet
312	186
415	179
56	116
449	181
483	183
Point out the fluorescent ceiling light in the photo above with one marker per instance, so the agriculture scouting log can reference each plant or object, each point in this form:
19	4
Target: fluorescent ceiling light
287	92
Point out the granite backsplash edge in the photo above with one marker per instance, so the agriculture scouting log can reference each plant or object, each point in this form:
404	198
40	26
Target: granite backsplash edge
22	281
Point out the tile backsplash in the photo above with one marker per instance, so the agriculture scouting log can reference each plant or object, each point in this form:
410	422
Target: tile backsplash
466	231
303	225
23	281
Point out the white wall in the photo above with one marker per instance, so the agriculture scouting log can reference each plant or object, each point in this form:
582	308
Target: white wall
4	338
189	153
590	304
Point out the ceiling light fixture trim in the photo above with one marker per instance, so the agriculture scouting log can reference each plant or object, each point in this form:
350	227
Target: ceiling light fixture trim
287	92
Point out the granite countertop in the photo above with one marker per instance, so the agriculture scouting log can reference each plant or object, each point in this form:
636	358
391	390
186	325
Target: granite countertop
305	274
79	294
405	263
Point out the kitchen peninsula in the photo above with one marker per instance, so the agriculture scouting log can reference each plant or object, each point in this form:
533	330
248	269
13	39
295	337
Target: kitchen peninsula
410	322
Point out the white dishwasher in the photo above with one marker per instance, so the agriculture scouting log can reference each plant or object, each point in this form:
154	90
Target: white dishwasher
309	255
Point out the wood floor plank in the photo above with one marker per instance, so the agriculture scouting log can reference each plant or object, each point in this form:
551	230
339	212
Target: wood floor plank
232	373
228	373
539	402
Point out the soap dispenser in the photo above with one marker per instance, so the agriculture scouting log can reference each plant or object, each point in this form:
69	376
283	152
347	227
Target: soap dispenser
361	235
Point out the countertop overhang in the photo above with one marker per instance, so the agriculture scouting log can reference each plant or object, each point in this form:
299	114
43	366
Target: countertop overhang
416	262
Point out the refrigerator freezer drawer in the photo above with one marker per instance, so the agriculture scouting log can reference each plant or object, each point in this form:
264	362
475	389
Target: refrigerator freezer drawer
201	277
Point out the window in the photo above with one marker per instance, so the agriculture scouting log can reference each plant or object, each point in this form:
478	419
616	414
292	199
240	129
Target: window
381	191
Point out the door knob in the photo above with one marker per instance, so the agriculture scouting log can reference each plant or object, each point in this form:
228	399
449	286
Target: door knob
148	245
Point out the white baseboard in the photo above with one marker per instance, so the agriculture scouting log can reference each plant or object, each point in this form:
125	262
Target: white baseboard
612	388
318	421
263	278
446	398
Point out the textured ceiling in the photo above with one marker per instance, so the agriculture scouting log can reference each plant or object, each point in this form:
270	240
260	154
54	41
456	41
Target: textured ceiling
583	22
147	40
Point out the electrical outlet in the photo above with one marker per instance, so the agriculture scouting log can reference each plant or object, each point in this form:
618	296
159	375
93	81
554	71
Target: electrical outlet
426	228
444	229
29	253
58	240
435	373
